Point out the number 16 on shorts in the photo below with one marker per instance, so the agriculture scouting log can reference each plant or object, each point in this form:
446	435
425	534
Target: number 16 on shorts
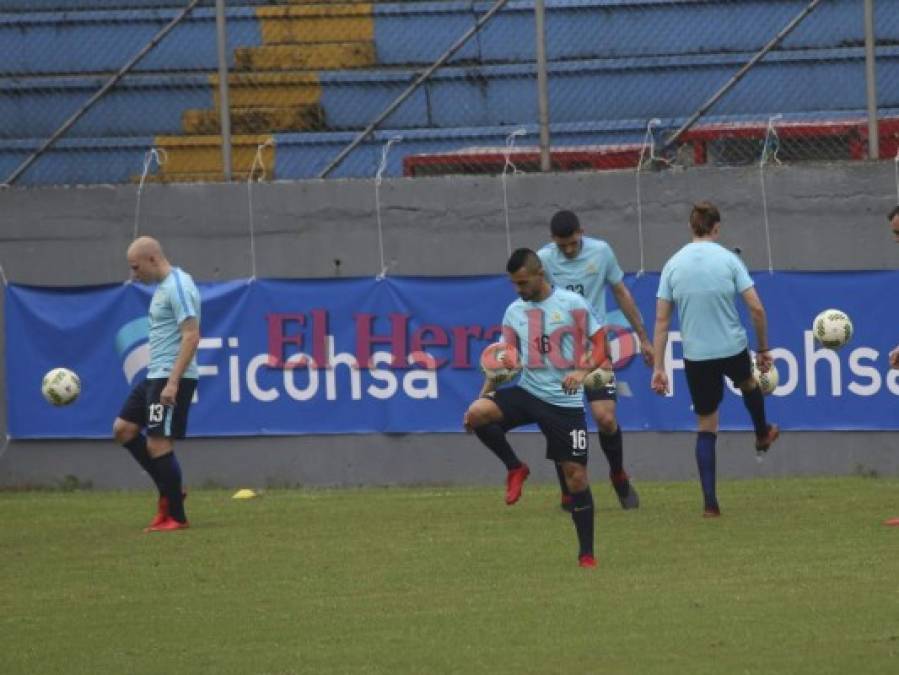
578	441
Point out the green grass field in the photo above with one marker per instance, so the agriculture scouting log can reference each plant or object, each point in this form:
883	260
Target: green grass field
799	576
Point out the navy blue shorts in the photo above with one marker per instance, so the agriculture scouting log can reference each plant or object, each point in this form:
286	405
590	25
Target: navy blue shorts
142	407
705	379
565	429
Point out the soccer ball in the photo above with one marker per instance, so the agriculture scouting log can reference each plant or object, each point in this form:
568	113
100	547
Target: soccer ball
767	381
832	328
599	379
60	386
500	362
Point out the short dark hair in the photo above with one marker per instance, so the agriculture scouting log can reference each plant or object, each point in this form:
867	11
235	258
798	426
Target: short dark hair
564	224
892	214
523	257
703	218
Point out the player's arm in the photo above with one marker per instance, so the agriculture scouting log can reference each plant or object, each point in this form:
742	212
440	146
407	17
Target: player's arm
760	323
488	387
190	340
510	337
660	343
595	356
593	337
629	307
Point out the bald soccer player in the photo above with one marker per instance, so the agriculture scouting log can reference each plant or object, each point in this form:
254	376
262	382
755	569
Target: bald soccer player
160	403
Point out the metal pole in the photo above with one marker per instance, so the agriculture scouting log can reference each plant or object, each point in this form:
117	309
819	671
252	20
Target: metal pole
224	100
412	87
740	73
542	95
69	123
871	81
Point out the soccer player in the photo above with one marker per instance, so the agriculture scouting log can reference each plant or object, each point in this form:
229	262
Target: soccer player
548	326
161	402
893	217
586	266
703	280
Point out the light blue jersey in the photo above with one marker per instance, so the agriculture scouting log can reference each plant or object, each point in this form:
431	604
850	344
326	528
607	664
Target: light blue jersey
587	273
546	344
176	299
703	279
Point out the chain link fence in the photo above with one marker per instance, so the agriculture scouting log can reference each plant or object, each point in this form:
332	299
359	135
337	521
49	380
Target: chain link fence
318	89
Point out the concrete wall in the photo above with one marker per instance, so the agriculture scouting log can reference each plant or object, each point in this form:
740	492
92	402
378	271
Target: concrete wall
821	217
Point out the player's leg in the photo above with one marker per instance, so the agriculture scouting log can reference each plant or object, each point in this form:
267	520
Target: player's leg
127	431
705	380
565	501
567	444
739	370
582	512
706	462
490	417
603	406
164	425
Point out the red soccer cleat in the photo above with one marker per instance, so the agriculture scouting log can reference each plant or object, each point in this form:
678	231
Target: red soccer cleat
762	443
892	522
162	512
586	560
168	525
711	512
514	481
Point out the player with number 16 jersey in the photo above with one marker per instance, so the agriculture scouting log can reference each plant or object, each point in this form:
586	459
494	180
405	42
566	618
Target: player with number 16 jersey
551	328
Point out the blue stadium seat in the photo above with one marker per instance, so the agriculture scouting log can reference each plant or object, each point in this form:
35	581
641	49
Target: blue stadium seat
56	53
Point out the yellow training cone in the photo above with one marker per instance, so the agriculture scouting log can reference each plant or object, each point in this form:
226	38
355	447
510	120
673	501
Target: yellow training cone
244	493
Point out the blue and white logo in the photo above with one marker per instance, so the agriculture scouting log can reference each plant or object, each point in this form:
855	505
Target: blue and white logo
133	347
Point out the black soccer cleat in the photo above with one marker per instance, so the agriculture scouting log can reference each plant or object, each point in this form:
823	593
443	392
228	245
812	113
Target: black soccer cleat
627	495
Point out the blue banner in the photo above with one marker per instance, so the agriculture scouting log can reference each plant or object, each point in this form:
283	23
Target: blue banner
403	355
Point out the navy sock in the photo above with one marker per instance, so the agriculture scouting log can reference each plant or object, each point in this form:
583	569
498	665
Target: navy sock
493	436
613	449
755	404
560	474
137	446
705	462
170	472
582	515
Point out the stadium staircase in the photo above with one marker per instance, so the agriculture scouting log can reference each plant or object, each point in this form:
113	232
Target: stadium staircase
310	75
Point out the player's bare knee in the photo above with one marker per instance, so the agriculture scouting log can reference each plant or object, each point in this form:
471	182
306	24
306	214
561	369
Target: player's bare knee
481	412
604	414
123	431
575	476
607	423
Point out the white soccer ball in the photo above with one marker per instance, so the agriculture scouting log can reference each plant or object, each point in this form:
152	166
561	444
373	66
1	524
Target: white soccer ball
599	378
500	362
767	381
832	328
61	386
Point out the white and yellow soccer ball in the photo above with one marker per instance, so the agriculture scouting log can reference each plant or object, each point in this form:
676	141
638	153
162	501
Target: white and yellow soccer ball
61	386
832	328
599	378
767	381
500	362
